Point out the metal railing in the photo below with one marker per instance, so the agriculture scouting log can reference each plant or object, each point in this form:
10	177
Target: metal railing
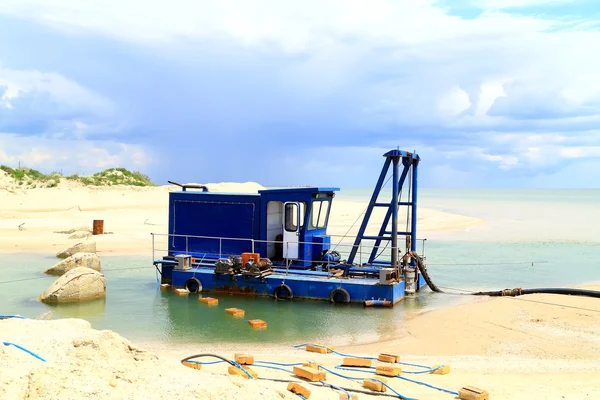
343	248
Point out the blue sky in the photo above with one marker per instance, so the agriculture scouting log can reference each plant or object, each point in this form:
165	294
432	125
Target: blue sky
490	93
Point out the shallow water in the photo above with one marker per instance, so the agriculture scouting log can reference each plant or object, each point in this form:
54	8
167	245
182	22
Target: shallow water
136	308
483	258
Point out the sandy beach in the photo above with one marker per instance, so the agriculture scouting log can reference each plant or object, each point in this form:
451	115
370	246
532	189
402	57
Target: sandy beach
131	214
534	346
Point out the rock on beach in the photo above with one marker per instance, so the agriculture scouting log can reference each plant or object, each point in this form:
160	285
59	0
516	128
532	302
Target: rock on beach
81	259
88	246
78	284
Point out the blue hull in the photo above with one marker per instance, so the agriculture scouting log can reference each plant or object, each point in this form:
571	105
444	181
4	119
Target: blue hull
314	286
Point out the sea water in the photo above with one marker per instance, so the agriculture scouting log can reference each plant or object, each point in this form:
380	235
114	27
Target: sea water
531	238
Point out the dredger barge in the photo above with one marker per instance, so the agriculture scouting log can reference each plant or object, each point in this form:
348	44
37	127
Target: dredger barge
275	242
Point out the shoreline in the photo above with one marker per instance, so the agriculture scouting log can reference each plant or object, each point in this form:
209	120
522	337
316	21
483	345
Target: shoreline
505	346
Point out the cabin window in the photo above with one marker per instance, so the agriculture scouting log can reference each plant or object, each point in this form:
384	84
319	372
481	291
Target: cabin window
319	214
291	216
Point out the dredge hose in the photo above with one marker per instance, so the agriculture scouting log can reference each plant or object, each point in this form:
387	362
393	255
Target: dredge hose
423	269
506	292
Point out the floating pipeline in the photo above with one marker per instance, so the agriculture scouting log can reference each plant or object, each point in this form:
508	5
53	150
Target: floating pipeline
506	292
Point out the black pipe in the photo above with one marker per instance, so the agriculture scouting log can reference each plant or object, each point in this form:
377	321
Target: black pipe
519	292
189	186
209	355
423	269
506	292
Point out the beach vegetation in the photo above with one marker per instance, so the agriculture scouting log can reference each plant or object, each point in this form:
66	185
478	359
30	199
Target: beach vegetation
32	178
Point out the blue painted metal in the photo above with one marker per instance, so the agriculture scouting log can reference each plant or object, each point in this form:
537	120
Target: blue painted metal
409	162
313	287
365	221
209	226
413	241
394	207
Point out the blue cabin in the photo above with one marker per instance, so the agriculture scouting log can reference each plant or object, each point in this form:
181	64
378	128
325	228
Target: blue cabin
283	225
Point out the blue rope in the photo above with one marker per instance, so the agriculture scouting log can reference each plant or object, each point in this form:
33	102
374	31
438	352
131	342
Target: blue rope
428	385
354	356
221	361
242	368
5	316
24	349
205	362
366	369
331	385
333	351
415	365
276	363
392	389
272	367
338	374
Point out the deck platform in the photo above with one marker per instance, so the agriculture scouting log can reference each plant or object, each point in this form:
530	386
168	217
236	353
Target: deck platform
314	285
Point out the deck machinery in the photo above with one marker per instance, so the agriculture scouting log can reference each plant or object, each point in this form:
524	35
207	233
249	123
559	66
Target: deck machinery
275	242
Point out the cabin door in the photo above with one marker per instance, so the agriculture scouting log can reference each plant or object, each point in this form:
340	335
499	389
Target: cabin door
291	230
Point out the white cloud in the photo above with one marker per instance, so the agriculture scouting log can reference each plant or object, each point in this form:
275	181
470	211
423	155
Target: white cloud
402	64
10	92
295	26
62	90
81	156
581	152
453	102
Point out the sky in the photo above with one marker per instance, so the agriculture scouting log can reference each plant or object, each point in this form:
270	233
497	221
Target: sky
489	93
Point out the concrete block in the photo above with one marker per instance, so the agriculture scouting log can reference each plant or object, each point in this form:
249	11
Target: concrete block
192	365
442	370
311	374
244	359
374	384
208	301
356	362
236	371
388	370
389	358
298	389
472	393
257	323
236	312
317	349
